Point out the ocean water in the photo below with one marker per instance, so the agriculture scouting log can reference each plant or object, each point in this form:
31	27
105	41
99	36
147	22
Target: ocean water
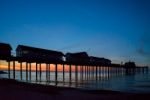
134	83
138	83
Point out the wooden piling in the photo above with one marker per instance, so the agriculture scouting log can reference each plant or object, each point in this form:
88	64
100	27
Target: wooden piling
21	70
9	69
93	72
36	71
70	77
85	70
56	74
76	74
40	71
96	73
109	72
49	72
88	72
99	72
30	71
14	70
46	72
81	73
63	73
26	71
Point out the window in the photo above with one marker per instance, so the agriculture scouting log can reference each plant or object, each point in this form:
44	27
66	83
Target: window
25	52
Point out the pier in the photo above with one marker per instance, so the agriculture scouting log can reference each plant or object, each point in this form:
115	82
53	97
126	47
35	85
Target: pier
86	68
87	72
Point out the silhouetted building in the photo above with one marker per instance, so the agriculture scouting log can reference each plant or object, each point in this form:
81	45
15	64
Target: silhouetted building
38	53
99	61
79	57
5	50
130	64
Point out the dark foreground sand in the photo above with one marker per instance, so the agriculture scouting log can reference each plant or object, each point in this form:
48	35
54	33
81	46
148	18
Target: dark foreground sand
13	90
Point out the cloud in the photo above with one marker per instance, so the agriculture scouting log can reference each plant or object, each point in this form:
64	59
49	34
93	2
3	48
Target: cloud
144	45
141	51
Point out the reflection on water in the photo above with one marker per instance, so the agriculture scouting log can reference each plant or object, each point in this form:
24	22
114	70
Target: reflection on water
138	83
110	80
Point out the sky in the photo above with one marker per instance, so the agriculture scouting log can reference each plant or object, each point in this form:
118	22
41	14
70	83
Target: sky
115	29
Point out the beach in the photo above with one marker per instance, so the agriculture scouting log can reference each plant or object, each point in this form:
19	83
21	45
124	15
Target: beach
14	90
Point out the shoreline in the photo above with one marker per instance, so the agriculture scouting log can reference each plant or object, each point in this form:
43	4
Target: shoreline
13	90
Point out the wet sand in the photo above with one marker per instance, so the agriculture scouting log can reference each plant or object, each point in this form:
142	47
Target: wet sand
14	90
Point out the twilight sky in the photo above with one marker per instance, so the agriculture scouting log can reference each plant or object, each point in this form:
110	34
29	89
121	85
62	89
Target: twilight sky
114	29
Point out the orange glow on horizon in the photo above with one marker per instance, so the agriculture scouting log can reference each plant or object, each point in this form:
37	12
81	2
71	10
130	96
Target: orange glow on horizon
4	66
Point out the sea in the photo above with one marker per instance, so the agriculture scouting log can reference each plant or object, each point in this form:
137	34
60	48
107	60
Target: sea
132	83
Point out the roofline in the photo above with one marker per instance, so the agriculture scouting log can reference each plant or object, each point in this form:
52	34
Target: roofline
38	48
6	44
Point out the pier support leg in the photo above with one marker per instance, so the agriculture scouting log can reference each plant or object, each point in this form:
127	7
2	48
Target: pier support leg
85	72
63	73
14	70
26	71
96	73
9	69
49	72
108	71
40	72
103	72
46	72
99	72
36	71
92	73
76	74
81	71
70	74
88	72
56	74
30	71
21	70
